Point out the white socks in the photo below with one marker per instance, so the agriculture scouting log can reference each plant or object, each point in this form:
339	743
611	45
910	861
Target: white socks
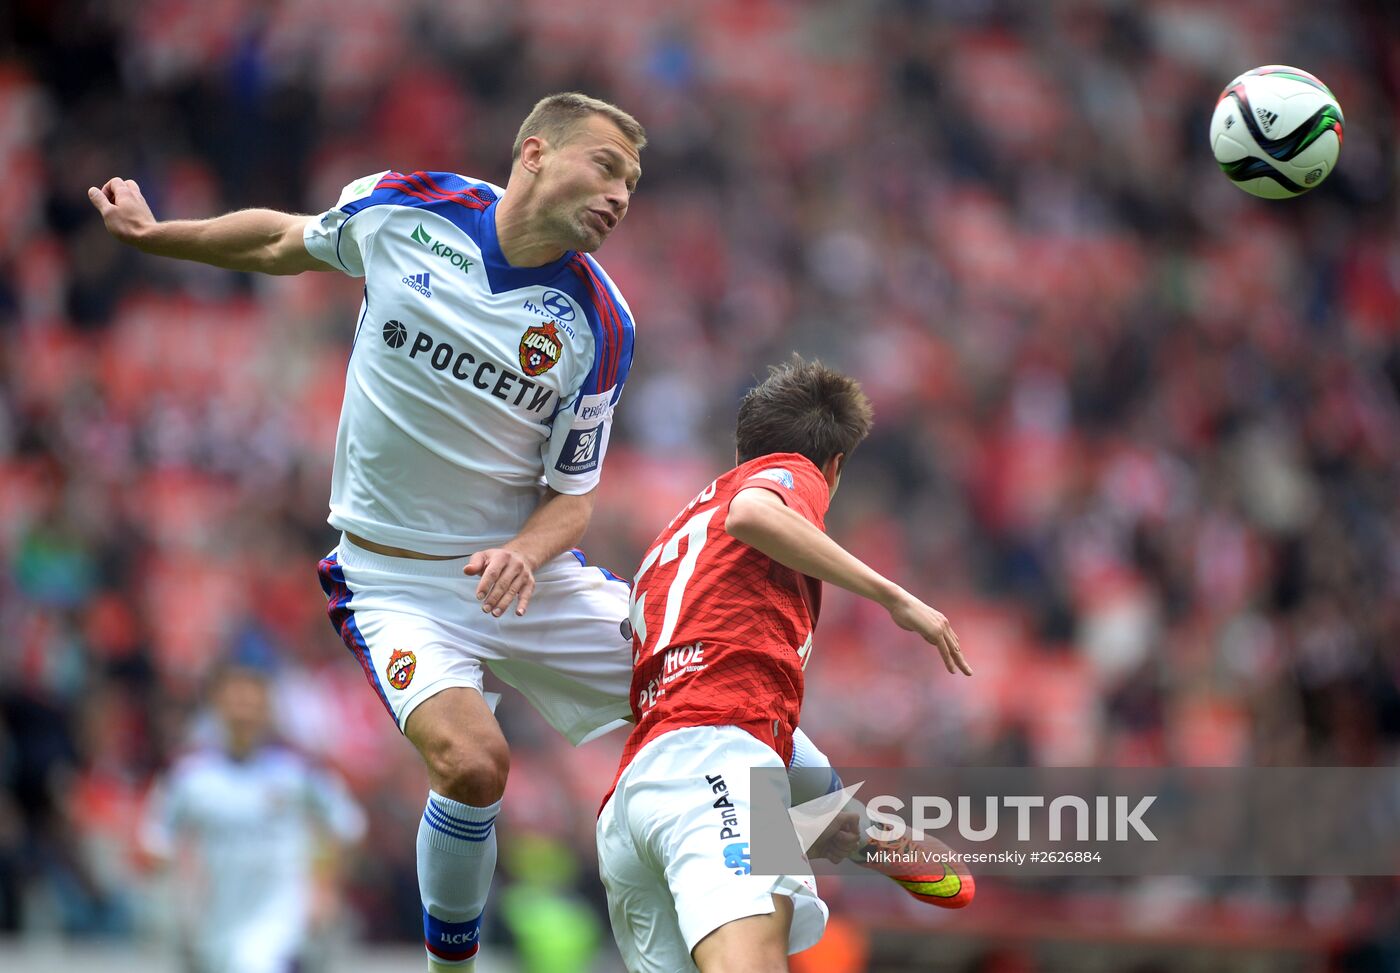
456	859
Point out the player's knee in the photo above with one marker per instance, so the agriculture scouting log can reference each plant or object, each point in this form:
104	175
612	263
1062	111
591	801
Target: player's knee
472	772
755	944
743	959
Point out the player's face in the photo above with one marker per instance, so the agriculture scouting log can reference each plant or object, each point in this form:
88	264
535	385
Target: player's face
242	705
586	183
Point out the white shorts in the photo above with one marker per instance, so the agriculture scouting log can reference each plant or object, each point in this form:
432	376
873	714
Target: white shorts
253	949
416	629
675	866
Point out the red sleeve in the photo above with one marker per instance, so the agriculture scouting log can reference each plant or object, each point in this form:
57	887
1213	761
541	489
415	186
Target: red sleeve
796	482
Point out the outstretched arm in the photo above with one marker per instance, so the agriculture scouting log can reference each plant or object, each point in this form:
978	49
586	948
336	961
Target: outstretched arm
757	517
255	240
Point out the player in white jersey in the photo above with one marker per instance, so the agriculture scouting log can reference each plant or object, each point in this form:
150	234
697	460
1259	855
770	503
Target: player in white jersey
489	354
242	820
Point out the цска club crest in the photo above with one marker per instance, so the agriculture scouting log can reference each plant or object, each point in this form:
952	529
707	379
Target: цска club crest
402	665
540	349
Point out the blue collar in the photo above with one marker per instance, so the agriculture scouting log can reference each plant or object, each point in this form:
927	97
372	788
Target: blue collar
500	273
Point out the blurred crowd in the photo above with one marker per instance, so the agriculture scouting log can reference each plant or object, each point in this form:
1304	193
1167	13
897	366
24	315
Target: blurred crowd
1137	433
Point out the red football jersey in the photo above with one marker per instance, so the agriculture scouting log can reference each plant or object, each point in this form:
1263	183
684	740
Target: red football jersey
721	632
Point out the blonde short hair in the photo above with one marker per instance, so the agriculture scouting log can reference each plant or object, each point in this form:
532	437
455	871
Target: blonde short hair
554	117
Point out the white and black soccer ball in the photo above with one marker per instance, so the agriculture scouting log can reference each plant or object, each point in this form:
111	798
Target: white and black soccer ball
1276	131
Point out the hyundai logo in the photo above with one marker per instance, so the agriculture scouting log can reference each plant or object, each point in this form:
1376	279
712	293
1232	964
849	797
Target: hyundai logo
558	305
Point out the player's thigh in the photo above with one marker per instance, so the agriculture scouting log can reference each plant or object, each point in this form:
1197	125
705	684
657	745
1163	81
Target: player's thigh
754	944
692	799
398	619
640	911
458	737
570	655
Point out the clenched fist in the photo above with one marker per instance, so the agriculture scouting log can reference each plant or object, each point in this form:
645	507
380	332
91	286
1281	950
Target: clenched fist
124	210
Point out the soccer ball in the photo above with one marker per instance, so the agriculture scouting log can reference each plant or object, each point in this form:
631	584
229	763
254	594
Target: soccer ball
1276	131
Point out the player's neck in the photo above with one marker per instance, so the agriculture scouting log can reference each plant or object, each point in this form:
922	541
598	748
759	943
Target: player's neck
240	747
517	234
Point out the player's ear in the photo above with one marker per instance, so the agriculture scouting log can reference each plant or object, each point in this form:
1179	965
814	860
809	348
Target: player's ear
831	470
532	150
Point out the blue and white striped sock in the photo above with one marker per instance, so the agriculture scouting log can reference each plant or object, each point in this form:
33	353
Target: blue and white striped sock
456	859
810	774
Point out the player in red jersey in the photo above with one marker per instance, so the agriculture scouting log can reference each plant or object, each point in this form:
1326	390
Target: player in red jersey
723	609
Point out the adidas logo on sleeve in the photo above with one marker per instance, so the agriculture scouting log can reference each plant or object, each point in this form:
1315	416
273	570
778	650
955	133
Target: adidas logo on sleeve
422	283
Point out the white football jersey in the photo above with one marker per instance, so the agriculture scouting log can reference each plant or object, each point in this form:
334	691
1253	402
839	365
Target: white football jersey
250	828
472	383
